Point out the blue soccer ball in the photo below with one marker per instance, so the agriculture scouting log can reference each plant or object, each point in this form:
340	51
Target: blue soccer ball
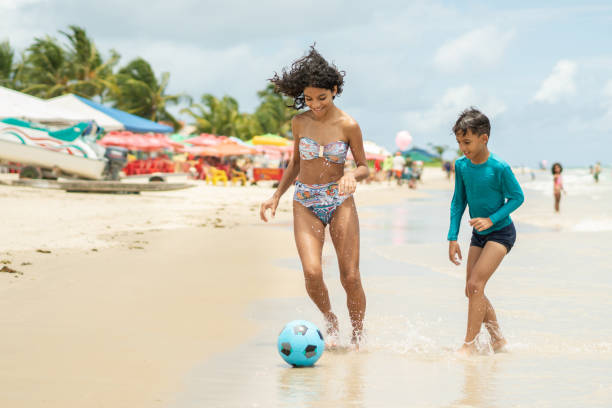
300	343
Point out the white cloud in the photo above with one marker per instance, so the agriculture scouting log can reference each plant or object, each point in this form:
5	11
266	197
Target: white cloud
480	47
15	4
560	83
444	112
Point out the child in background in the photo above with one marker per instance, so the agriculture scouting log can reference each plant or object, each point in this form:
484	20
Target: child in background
486	184
557	169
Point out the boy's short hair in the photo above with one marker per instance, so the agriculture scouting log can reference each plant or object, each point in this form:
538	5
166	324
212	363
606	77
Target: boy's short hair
473	120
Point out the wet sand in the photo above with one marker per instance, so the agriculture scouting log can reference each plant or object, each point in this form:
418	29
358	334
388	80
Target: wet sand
551	295
115	299
175	300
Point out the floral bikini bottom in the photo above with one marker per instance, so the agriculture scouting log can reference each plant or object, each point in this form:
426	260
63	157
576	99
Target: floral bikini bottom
321	199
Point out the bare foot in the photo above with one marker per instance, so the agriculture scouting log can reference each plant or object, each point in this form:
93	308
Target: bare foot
497	339
468	349
332	331
499	345
357	339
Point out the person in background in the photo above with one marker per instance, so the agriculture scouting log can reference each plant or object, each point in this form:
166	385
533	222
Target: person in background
446	166
557	169
387	168
596	171
398	166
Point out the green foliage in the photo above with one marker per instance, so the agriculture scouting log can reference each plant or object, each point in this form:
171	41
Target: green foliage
52	69
440	149
138	91
274	114
222	117
49	68
7	71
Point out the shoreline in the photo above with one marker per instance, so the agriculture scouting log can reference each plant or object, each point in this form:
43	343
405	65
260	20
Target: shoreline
117	297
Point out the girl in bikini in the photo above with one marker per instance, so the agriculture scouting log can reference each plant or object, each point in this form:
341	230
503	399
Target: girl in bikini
557	169
323	192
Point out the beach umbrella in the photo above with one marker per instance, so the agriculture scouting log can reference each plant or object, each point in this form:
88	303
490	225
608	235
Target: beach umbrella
373	151
274	152
403	139
232	149
112	140
270	140
168	141
241	142
222	150
205	139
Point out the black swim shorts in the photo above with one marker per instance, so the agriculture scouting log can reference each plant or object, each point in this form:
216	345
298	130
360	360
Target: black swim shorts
505	236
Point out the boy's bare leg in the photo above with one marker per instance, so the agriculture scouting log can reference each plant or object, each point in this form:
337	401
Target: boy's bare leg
483	268
492	326
344	231
309	236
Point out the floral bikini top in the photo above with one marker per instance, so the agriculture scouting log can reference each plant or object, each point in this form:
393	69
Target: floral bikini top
334	152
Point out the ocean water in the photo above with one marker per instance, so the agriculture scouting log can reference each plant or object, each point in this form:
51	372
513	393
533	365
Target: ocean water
551	294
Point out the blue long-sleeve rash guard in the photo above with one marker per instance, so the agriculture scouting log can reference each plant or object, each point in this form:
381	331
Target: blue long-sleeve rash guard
489	189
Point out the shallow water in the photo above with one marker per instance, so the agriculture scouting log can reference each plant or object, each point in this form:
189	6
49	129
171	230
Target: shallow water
551	294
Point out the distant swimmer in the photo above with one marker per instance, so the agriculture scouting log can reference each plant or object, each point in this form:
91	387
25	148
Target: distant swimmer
596	171
486	184
323	192
557	169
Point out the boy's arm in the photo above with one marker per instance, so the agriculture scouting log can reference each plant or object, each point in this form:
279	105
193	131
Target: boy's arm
457	206
512	191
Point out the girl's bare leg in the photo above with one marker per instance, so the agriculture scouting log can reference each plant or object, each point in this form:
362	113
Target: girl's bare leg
557	200
490	318
484	267
344	231
309	236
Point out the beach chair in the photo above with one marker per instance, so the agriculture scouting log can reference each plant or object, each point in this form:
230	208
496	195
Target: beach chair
213	175
238	176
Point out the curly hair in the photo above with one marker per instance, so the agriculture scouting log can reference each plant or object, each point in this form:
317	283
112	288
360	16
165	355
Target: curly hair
310	70
552	169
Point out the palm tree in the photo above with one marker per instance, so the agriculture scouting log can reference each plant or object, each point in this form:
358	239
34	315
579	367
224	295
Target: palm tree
45	69
7	69
440	149
51	69
140	93
222	117
274	113
90	75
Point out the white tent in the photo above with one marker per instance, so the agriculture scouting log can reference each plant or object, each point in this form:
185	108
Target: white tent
15	104
76	108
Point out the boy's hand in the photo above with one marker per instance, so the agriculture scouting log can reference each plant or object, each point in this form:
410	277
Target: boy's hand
481	224
454	252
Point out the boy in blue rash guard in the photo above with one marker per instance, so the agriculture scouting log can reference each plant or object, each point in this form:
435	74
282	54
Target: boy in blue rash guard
486	184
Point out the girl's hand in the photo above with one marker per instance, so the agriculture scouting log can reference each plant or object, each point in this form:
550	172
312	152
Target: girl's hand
347	184
481	224
271	203
454	252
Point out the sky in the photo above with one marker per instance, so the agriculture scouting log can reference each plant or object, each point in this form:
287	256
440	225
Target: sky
541	72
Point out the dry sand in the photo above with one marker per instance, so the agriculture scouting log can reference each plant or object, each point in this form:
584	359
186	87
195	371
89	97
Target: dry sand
116	297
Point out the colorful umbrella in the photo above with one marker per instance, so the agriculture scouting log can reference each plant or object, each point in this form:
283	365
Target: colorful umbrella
270	140
205	139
